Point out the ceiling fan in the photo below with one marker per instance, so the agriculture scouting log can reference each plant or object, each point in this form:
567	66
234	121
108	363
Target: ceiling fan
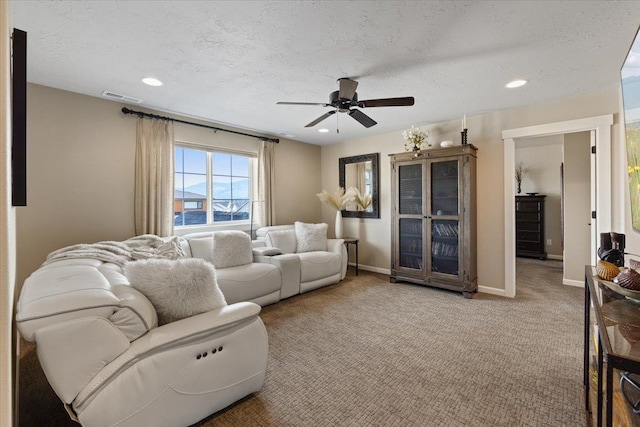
344	99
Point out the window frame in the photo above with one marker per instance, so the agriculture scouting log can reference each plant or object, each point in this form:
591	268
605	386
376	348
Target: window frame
220	225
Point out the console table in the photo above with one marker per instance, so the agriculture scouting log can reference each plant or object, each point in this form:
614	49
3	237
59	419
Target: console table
352	241
611	345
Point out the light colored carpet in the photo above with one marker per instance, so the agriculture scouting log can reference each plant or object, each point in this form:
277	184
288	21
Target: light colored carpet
370	353
367	352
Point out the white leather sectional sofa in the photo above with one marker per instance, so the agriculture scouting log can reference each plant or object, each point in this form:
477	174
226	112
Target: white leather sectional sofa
105	356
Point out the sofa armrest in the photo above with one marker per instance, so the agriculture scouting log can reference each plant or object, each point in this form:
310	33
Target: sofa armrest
73	352
176	337
337	246
265	252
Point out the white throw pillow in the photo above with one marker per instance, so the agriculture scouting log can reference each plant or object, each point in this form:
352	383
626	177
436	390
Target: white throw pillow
285	240
176	288
311	237
231	248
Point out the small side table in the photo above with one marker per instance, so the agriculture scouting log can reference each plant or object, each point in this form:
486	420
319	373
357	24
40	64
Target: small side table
352	241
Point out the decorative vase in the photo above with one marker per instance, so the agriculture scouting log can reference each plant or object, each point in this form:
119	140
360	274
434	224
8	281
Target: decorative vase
519	189
338	224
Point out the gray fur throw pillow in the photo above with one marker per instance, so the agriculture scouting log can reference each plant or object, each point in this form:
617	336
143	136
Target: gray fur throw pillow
176	288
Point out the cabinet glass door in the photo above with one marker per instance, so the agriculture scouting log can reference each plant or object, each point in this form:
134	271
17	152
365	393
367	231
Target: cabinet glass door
444	208
410	208
444	188
410	189
444	246
411	243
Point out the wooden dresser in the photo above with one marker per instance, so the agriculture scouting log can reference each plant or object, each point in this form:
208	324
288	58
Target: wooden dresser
530	226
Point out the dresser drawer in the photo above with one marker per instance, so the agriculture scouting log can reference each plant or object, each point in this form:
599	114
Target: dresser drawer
527	216
530	236
528	246
528	226
528	206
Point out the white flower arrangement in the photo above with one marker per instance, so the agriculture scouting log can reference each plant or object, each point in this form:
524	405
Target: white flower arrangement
415	139
339	199
363	202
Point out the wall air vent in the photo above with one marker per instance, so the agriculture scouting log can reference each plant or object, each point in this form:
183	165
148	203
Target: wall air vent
123	98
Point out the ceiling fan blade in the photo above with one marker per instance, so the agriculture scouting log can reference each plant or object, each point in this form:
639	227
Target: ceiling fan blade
322	104
347	88
321	118
364	120
387	102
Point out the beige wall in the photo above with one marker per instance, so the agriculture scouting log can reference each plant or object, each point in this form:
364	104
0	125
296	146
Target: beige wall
81	173
297	182
577	206
542	162
485	131
7	229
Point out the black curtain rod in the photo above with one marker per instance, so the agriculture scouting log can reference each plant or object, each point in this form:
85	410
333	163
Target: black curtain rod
141	114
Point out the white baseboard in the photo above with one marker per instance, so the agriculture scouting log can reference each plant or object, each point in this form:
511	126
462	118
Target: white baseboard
483	289
372	269
576	283
556	257
492	291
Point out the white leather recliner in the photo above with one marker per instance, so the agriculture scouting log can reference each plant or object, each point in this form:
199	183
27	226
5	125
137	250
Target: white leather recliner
105	357
316	269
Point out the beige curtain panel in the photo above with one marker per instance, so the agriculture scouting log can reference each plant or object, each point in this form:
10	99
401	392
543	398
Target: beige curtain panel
153	206
266	174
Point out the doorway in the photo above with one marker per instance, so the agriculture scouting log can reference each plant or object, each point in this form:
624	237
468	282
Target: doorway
600	128
556	173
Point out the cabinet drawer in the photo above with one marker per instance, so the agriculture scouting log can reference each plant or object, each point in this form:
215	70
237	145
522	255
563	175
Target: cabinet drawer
531	236
527	226
527	216
528	246
528	206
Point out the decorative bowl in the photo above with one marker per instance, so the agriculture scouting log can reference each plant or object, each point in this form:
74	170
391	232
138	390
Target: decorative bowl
628	293
607	270
628	279
446	144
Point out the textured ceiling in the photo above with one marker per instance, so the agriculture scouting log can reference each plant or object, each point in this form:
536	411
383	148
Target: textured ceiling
231	61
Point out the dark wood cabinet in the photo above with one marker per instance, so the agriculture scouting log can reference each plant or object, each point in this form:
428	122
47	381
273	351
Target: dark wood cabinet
530	227
433	233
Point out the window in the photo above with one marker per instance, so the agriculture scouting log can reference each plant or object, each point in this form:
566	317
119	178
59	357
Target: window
190	205
211	186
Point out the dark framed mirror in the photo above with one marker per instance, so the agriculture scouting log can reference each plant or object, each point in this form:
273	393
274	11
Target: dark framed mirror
363	173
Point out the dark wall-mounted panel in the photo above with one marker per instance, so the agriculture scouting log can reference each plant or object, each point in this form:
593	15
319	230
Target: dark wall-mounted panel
19	118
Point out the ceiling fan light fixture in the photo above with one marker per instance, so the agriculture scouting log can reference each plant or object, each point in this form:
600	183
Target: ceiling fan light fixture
323	130
516	83
151	81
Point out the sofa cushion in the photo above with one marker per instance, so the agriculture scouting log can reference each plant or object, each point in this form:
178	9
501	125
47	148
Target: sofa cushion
285	240
231	248
177	289
262	231
318	265
311	237
248	282
202	247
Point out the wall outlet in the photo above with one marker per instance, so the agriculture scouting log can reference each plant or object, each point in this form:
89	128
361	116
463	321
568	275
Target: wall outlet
549	242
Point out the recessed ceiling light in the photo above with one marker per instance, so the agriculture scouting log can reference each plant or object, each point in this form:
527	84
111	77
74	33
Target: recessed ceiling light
151	81
515	83
323	130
